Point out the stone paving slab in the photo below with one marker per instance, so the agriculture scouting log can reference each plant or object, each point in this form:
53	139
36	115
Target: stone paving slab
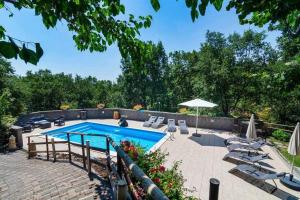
36	179
202	159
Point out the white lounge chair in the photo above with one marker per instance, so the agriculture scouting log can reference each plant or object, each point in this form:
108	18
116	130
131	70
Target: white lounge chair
150	121
158	122
171	125
241	140
252	146
244	156
257	174
182	127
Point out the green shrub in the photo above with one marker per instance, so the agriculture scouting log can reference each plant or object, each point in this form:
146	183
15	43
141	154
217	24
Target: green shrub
281	135
169	180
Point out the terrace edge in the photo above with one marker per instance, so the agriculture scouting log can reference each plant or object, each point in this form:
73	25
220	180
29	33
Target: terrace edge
219	123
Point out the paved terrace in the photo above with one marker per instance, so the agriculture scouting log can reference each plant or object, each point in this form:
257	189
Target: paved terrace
32	179
202	159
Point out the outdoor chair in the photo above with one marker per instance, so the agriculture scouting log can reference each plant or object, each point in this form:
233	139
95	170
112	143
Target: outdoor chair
252	146
60	121
240	140
246	157
171	125
27	127
158	122
182	127
258	174
45	124
150	121
123	122
36	121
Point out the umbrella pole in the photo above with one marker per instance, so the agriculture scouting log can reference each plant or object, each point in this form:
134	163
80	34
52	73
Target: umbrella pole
292	169
197	121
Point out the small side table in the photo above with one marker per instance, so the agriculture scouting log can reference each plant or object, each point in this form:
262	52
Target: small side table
291	183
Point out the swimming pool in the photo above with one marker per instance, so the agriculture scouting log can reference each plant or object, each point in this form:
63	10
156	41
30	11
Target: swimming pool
147	139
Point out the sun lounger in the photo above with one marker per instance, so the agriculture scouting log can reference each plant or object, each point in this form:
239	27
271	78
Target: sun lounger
150	121
171	125
257	174
240	140
246	157
158	122
182	127
253	146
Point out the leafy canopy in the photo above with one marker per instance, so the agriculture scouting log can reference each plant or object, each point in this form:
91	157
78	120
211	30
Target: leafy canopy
97	24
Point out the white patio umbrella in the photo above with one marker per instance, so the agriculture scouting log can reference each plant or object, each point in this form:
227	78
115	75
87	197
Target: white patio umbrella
251	130
294	145
198	103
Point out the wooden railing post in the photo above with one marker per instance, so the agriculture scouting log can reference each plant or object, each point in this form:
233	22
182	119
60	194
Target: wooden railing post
119	165
47	147
88	153
107	146
83	151
69	147
53	149
108	160
28	143
122	190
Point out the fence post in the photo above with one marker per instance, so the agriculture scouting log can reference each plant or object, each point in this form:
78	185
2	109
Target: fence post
119	165
214	189
83	152
107	146
53	150
69	147
88	153
122	190
28	143
47	147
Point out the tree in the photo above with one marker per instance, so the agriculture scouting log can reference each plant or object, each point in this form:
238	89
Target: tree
143	83
178	78
228	71
11	101
97	24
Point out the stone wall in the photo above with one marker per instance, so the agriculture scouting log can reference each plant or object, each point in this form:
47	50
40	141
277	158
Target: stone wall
221	123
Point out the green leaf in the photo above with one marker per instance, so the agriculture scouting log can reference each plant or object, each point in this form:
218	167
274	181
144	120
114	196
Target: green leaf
202	7
39	51
2	30
1	4
194	14
217	4
28	55
155	4
188	3
7	50
15	46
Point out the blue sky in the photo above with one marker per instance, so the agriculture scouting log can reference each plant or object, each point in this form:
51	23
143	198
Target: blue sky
172	25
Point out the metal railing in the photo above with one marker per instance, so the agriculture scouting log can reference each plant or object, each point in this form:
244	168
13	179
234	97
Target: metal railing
118	174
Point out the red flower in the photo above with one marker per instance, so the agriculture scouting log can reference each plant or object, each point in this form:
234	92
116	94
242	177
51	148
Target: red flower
162	168
135	155
132	148
156	180
153	170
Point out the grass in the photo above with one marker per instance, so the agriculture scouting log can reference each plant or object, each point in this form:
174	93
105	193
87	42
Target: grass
282	147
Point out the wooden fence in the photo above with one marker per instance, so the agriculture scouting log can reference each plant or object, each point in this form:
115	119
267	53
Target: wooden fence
119	172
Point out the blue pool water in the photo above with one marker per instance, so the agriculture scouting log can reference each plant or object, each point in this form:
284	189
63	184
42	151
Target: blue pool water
146	139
